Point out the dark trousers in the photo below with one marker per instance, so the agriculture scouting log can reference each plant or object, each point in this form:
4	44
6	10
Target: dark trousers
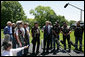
56	40
14	42
11	39
68	39
26	43
36	40
46	40
80	42
26	50
20	52
50	41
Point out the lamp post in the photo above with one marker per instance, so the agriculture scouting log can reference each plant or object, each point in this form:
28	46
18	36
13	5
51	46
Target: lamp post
75	7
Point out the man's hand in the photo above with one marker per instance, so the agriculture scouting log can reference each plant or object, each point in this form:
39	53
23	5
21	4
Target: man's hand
20	44
27	46
64	34
69	33
42	30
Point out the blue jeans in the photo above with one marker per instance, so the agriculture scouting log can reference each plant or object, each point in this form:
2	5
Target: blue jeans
76	42
11	38
68	39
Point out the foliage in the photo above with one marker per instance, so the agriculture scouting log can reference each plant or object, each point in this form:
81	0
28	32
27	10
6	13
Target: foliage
11	11
43	14
71	22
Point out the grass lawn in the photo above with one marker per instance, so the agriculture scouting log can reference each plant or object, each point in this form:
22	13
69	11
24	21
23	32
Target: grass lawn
41	37
2	35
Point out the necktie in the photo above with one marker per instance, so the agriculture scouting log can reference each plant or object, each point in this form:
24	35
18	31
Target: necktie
47	29
25	32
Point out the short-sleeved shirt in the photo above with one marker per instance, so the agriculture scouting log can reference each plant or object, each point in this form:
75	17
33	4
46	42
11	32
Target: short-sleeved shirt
16	31
65	30
78	31
20	34
35	32
56	29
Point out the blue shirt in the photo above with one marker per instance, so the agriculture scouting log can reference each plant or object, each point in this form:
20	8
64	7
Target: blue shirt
7	30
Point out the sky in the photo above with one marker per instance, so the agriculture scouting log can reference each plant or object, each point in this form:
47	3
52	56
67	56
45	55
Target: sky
69	12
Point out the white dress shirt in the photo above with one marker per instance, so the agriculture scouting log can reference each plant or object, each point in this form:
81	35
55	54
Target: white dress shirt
10	30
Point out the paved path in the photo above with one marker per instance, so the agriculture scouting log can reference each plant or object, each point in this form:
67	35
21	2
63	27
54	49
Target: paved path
61	52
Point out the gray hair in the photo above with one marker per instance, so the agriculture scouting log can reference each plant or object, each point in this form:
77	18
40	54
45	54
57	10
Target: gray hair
7	38
47	22
9	22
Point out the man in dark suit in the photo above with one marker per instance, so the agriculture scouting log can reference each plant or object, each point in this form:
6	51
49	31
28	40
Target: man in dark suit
47	35
51	38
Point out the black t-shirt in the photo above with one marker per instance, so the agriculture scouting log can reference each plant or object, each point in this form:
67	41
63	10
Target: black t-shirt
65	30
78	31
56	29
35	32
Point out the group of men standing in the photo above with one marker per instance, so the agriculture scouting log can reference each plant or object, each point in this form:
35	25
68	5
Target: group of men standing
51	34
19	34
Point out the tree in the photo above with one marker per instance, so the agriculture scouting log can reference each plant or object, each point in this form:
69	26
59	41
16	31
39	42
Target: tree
11	11
71	22
61	19
30	21
43	14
